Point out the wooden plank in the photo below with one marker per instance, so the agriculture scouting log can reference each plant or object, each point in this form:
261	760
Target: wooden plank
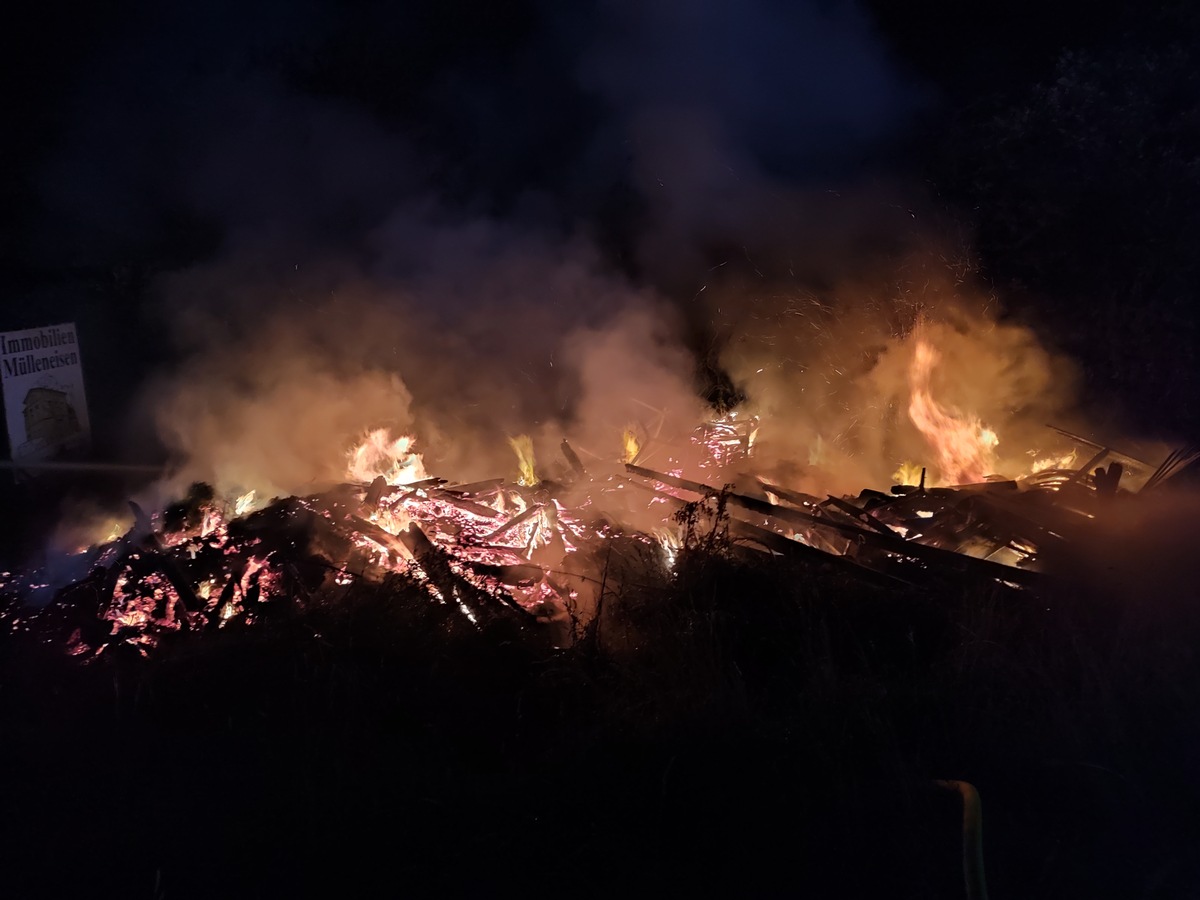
892	543
792	547
514	522
572	458
475	488
860	515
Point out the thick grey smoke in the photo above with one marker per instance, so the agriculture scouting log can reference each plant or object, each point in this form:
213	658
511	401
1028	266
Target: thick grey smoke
467	333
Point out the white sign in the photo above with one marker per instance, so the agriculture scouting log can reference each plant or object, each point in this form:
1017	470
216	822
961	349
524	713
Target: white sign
44	404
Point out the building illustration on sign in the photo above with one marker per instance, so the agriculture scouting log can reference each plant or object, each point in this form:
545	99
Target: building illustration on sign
44	404
50	422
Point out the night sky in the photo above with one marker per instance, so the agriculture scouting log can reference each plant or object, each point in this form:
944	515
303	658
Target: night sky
135	126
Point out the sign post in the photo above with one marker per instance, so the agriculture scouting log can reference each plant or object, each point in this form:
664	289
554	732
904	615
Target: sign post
45	408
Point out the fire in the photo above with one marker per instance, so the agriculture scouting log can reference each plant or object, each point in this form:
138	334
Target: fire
522	445
671	541
1064	461
727	438
908	473
633	446
964	447
492	547
378	454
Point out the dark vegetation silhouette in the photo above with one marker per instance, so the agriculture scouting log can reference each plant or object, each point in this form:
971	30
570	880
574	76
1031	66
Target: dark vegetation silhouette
1084	193
725	725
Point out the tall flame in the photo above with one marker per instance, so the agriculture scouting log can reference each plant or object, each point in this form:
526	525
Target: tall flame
963	446
522	445
632	446
907	473
378	454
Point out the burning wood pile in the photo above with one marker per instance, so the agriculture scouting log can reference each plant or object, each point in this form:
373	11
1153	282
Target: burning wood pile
503	550
482	547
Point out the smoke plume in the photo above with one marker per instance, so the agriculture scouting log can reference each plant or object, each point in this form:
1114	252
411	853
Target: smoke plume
564	230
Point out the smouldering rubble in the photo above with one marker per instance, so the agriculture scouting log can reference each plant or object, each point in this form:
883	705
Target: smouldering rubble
496	548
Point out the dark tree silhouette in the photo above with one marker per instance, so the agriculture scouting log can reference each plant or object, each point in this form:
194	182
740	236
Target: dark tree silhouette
1086	190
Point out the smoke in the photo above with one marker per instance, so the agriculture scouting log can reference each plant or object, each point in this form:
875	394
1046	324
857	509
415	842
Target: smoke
828	374
431	249
736	117
633	373
1138	554
278	421
288	366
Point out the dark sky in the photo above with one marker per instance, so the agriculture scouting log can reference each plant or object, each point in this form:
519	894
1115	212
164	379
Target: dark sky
143	131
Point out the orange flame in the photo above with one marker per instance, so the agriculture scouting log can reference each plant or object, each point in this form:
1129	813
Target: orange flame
522	445
964	447
379	454
631	445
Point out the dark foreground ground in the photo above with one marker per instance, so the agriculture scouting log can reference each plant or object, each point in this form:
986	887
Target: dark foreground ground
739	727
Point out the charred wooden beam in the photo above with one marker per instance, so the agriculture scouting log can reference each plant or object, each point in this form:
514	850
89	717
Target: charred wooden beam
417	541
572	458
795	497
792	548
1177	460
516	520
1079	439
521	574
1047	522
751	503
375	492
1086	469
476	488
797	550
1108	480
434	562
891	543
384	538
468	506
423	483
860	515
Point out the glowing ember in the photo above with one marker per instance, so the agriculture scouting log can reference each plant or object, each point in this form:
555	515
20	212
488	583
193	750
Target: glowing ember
379	454
142	604
964	448
727	439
